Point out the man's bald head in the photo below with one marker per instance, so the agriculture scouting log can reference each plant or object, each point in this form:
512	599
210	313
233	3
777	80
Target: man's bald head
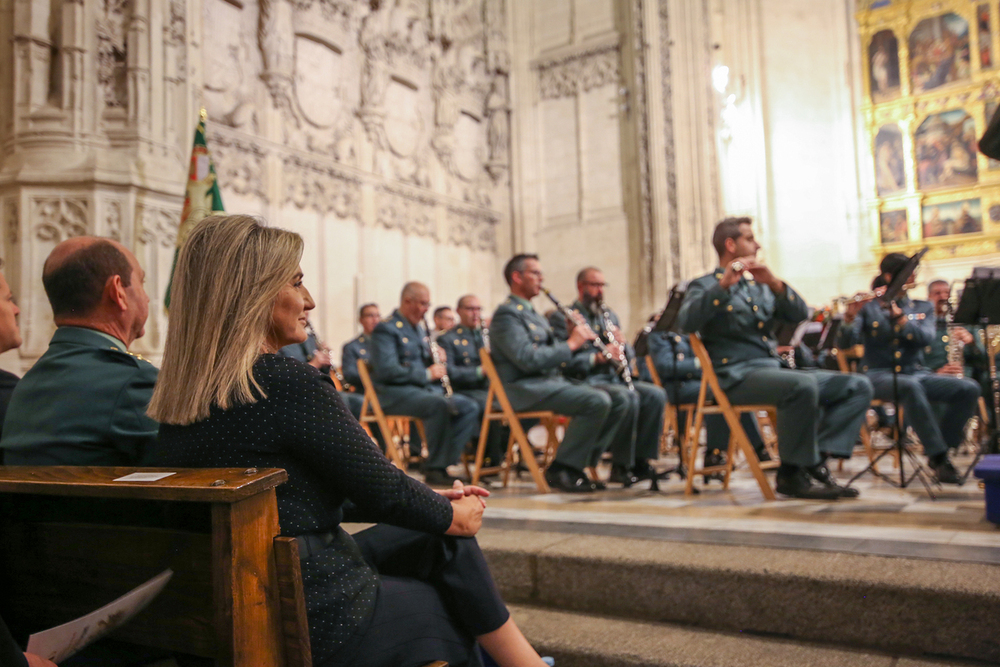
414	301
77	270
413	289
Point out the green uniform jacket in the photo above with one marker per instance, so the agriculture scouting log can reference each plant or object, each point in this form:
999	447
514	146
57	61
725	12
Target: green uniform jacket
83	403
736	324
462	344
936	353
583	367
528	358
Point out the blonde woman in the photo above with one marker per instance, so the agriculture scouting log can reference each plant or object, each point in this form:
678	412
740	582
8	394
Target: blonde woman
407	593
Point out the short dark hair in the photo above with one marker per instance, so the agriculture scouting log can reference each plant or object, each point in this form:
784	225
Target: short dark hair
75	286
462	298
441	309
728	229
516	265
361	310
583	273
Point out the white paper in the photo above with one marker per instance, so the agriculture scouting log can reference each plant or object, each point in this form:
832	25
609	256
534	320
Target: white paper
62	641
144	477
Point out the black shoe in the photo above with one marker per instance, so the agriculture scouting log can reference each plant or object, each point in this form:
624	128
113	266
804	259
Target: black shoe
795	482
712	459
438	477
622	475
763	455
569	480
643	469
821	474
945	471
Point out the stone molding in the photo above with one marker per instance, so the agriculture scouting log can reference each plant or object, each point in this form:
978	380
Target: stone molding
580	71
405	210
321	186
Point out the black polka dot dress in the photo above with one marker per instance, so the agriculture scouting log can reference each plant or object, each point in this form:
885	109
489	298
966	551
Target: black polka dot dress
304	427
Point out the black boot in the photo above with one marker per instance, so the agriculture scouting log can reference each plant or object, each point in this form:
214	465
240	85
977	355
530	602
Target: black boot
712	459
945	471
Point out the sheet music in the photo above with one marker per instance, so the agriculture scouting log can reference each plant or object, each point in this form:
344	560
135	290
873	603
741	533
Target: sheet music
62	641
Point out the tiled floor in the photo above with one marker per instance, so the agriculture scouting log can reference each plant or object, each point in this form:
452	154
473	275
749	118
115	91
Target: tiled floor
884	520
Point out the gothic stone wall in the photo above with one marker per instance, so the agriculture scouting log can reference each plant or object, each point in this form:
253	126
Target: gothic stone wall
378	130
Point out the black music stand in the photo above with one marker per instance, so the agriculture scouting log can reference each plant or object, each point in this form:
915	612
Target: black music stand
892	292
664	322
980	305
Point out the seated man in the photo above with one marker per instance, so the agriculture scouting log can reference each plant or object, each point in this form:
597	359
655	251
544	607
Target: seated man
84	401
637	440
359	348
896	338
529	361
735	317
465	370
680	374
444	319
408	382
317	355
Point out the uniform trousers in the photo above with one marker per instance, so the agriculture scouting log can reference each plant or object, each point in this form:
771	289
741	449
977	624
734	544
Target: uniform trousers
449	423
716	428
496	438
353	401
639	415
818	411
590	428
436	594
917	391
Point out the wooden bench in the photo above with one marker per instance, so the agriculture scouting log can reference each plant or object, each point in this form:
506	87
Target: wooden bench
236	595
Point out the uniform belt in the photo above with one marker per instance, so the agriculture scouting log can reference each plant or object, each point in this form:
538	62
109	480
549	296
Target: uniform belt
310	545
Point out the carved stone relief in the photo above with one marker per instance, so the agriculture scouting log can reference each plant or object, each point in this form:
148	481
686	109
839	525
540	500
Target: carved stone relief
112	19
59	218
113	220
407	212
230	66
240	165
321	187
474	229
157	226
579	72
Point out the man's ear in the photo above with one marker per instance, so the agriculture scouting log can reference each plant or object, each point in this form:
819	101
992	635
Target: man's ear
115	292
731	246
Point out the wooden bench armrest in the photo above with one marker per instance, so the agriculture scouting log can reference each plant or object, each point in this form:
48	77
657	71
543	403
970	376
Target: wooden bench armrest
212	485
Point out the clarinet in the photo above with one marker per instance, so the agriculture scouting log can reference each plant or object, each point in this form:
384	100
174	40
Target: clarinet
436	355
311	330
576	317
610	329
486	337
956	356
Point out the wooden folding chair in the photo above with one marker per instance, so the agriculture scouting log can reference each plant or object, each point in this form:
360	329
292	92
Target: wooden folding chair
847	362
671	422
518	439
738	439
394	428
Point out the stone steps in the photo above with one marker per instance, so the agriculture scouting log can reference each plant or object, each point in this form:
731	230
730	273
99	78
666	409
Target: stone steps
581	640
896	606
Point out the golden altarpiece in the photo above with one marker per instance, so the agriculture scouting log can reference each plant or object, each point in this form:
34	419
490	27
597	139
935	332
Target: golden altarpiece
932	83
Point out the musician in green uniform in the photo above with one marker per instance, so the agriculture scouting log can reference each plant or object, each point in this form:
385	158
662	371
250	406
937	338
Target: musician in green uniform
84	401
359	347
530	361
936	356
462	343
637	440
409	382
819	412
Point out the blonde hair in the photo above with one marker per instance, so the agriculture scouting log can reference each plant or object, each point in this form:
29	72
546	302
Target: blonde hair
229	272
